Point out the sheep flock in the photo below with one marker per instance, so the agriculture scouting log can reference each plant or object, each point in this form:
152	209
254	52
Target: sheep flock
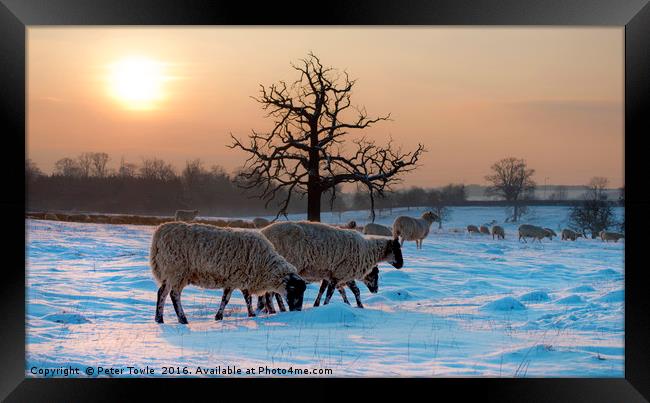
276	260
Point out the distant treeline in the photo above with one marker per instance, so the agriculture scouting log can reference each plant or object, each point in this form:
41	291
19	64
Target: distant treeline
86	184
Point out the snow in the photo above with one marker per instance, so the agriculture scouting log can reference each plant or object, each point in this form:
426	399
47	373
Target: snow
463	305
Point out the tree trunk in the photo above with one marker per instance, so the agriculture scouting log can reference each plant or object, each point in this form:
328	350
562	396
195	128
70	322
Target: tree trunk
313	203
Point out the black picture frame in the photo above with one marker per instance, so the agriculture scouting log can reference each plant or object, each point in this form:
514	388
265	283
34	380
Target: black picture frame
634	15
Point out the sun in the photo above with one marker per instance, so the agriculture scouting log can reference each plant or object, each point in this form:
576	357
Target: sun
137	82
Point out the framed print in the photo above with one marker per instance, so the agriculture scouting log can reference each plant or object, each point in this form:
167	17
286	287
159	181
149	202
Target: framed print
441	194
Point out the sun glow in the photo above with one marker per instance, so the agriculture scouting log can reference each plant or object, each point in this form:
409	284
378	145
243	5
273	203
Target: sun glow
137	83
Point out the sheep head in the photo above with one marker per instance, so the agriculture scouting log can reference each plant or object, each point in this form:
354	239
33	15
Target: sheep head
430	217
371	280
393	254
294	290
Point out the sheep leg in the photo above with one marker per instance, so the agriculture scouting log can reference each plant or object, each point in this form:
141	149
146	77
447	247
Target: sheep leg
260	304
249	302
163	291
356	292
176	301
281	306
323	286
269	303
342	292
227	292
330	292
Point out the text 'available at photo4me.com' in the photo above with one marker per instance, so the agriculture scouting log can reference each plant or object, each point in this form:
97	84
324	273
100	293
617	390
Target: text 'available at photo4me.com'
229	370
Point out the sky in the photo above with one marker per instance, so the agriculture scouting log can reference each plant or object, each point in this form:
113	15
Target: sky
552	96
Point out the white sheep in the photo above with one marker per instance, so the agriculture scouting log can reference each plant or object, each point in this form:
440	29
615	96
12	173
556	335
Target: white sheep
533	231
186	215
499	232
570	234
413	229
213	257
339	256
260	222
377	229
610	236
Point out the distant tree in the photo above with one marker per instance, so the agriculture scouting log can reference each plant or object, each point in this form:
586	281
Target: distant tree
68	167
98	164
439	205
126	169
454	193
511	180
156	169
594	213
84	162
305	152
32	172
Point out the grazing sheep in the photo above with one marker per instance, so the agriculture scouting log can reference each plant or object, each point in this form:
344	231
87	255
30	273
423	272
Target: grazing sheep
413	229
550	232
323	252
377	229
484	230
473	228
610	236
533	231
260	222
499	232
570	234
185	215
212	257
371	281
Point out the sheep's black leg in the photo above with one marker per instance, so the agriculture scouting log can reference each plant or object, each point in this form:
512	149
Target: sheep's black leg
281	306
176	300
343	295
269	303
357	293
323	286
260	304
224	301
163	291
330	292
249	302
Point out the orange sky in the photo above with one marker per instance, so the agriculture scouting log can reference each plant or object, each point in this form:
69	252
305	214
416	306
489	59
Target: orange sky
553	96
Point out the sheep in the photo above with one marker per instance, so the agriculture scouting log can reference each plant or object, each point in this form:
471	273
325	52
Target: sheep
213	257
533	231
473	228
186	215
413	229
260	222
339	256
240	224
371	281
610	236
484	230
499	232
550	232
570	234
377	229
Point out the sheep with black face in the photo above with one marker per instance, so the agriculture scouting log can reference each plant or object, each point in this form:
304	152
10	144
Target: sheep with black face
215	258
338	256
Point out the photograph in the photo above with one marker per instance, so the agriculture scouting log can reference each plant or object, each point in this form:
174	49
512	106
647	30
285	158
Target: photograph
325	201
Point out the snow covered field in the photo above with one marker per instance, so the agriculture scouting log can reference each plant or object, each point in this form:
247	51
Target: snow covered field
462	306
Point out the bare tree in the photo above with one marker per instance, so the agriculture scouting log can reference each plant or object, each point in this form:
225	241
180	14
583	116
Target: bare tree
304	151
594	213
157	169
84	162
511	180
99	162
439	205
67	167
126	169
